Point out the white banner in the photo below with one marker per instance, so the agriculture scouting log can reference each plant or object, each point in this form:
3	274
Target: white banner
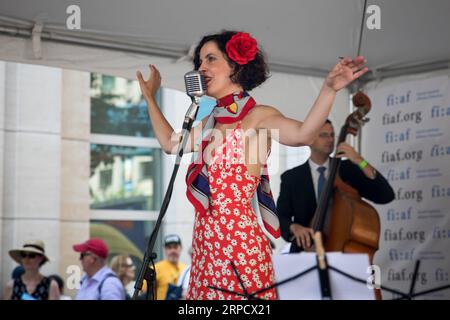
408	141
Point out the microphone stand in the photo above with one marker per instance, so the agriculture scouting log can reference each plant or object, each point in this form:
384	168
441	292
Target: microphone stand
147	273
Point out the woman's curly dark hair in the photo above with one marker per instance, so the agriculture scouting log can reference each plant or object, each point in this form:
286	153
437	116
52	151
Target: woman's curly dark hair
250	75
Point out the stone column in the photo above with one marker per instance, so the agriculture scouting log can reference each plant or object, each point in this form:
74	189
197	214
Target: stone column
31	161
44	166
75	165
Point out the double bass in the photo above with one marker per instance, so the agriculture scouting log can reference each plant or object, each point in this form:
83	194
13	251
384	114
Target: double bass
349	224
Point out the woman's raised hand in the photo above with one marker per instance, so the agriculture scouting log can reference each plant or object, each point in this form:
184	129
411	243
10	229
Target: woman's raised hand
346	71
151	86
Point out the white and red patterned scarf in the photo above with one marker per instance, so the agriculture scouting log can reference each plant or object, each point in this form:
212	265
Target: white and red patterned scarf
229	109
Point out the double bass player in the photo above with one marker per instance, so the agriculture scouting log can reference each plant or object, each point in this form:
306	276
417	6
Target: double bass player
302	185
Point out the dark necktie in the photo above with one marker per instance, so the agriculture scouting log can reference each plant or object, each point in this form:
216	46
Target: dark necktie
320	181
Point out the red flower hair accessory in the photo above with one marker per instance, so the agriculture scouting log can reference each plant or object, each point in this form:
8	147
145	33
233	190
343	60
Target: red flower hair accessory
242	48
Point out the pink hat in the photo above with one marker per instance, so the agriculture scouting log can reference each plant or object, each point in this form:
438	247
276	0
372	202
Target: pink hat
96	246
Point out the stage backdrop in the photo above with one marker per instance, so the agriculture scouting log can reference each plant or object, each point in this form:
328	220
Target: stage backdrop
408	141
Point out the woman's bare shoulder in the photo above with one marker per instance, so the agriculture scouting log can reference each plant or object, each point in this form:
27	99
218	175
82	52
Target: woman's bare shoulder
260	112
10	284
263	110
7	289
264	107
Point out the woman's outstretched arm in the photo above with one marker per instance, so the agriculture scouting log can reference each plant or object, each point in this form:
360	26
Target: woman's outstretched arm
297	133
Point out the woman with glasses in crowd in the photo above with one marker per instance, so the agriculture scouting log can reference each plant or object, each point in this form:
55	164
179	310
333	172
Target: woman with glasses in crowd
31	285
125	270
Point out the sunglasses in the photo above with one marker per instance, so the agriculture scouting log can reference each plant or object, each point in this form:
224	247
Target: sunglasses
84	254
24	255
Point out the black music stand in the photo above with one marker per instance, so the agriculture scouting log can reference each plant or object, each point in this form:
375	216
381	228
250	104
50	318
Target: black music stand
323	269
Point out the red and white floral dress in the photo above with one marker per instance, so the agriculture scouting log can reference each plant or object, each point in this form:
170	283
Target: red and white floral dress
229	231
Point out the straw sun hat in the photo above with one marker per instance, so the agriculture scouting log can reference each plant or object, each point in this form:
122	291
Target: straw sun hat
31	246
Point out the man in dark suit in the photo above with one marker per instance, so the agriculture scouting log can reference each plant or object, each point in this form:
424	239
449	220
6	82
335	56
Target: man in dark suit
302	185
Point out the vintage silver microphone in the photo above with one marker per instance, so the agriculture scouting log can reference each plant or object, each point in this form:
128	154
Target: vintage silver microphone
195	88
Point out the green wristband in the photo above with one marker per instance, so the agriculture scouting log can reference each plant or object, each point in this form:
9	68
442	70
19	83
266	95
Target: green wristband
362	164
